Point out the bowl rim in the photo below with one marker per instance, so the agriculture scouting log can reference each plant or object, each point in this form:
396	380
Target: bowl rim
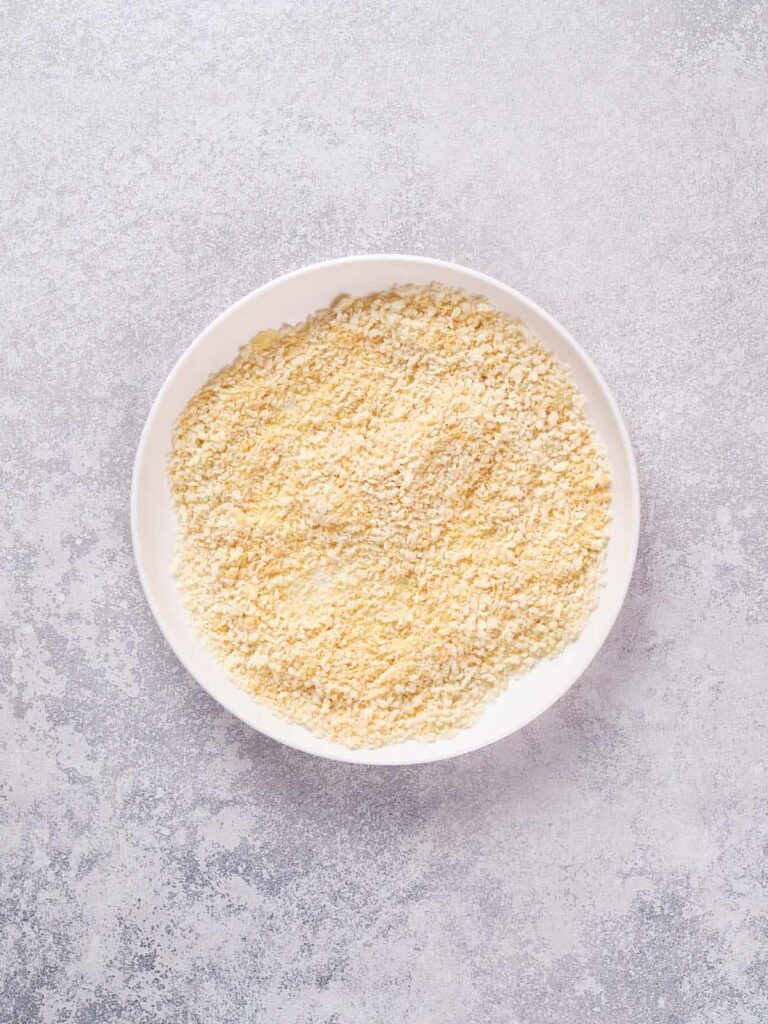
339	752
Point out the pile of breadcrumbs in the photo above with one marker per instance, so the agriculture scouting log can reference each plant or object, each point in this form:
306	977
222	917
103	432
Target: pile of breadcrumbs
387	511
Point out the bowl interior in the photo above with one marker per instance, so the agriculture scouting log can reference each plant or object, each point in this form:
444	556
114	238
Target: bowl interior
292	298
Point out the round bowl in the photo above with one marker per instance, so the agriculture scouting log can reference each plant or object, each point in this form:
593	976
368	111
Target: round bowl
292	298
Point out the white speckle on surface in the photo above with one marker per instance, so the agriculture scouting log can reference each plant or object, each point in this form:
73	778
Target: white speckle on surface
158	860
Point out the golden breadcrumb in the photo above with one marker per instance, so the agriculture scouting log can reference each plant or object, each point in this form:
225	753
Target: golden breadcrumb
388	511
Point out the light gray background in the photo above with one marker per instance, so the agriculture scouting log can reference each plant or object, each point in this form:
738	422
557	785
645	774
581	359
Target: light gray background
160	862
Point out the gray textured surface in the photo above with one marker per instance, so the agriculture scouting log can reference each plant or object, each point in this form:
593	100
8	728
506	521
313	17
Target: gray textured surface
159	861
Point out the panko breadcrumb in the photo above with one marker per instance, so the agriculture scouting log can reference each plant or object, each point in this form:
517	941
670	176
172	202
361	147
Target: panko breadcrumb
388	511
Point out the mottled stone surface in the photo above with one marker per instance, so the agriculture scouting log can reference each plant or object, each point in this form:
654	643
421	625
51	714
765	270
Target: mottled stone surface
160	862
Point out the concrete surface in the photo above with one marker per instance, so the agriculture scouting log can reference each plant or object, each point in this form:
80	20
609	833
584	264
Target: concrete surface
159	861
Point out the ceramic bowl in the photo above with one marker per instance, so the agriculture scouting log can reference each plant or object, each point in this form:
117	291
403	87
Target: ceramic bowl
292	298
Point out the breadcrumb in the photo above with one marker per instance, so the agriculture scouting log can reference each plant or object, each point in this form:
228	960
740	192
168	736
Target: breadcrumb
387	512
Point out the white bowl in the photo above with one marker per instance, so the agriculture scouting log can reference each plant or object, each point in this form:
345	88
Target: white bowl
292	298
